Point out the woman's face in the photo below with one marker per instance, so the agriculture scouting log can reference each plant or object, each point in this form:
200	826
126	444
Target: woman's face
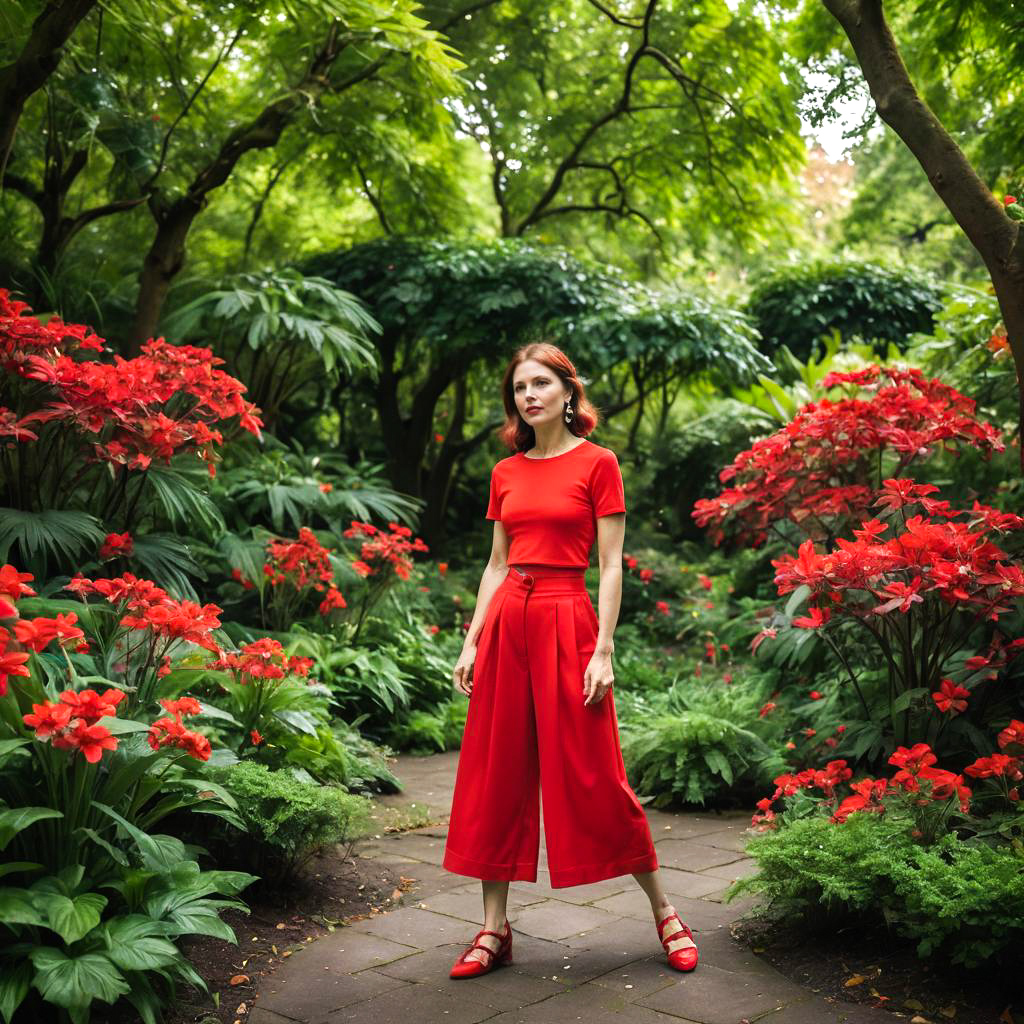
539	393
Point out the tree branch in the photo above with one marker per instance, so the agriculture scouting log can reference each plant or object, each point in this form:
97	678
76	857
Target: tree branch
38	60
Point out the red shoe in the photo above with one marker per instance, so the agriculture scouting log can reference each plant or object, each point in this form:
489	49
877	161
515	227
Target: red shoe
680	959
469	967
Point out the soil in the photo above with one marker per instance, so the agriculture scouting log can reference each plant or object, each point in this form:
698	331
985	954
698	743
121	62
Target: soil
873	966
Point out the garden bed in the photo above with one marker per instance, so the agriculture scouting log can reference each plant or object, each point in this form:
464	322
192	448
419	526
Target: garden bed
875	967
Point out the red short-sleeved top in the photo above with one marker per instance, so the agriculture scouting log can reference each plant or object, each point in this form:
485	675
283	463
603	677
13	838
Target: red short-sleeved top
549	507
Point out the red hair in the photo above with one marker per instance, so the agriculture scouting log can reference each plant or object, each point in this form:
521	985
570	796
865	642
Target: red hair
516	433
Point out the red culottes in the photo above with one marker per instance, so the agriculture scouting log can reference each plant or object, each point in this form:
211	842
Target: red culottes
527	728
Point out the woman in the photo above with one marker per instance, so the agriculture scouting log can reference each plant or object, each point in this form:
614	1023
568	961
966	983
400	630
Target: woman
541	715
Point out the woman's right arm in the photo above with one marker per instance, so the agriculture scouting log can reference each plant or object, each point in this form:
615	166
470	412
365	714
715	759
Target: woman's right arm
493	576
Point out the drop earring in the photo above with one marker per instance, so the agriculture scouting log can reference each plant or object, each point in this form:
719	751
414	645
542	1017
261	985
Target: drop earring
568	411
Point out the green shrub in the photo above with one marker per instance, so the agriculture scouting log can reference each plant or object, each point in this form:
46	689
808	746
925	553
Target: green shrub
795	305
427	732
692	757
286	820
966	893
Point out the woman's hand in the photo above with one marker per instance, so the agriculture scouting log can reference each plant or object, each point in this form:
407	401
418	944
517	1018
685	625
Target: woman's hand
598	678
463	671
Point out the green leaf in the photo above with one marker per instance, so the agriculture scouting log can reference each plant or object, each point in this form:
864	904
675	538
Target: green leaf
906	698
76	982
18	906
12	867
15	981
201	918
118	855
159	853
796	599
137	943
9	748
19	818
72	918
54	533
122	726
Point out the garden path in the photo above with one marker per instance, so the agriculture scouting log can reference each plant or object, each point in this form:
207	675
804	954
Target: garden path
583	953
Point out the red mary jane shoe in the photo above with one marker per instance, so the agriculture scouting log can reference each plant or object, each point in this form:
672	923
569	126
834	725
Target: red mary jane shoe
469	967
680	959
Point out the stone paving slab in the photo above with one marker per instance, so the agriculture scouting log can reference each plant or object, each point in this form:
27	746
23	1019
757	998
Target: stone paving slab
587	953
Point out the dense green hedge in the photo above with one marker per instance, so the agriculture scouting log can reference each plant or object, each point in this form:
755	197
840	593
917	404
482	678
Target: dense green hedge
796	304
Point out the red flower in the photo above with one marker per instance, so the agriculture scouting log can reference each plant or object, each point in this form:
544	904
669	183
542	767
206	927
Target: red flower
12	663
815	695
818	617
1007	200
90	706
91	740
333	599
12	582
182	706
48	719
951	697
1013	734
996	765
256	738
117	544
914	758
38	633
766	708
705	581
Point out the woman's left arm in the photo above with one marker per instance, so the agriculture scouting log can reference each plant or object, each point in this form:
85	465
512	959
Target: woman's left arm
600	675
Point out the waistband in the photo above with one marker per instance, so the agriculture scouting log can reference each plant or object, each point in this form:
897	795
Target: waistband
549	578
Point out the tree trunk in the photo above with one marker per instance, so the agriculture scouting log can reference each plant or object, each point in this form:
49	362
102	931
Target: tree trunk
37	61
166	255
981	216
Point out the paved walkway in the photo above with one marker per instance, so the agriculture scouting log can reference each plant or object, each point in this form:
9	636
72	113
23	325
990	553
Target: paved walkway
583	953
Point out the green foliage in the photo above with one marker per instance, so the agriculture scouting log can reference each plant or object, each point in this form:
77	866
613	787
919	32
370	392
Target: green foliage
691	757
286	820
958	898
280	487
796	304
427	732
463	295
278	330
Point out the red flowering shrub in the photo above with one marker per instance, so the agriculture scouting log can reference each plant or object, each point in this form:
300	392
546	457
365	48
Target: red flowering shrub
295	571
820	471
262	679
383	555
79	426
936	577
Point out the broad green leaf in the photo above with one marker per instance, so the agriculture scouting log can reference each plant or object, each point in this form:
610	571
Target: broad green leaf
18	906
158	852
18	819
74	982
15	981
72	918
137	943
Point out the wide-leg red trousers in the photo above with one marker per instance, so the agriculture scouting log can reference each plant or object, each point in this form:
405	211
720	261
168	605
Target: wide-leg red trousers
527	729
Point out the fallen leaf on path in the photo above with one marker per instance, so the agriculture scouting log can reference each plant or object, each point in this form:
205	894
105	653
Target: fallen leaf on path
239	979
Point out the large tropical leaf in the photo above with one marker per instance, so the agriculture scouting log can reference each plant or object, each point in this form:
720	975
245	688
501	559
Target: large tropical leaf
58	536
181	497
168	561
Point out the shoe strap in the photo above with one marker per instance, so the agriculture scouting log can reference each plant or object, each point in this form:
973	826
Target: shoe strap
684	931
486	949
497	935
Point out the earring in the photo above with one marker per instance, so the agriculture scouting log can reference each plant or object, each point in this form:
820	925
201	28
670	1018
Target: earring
568	411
